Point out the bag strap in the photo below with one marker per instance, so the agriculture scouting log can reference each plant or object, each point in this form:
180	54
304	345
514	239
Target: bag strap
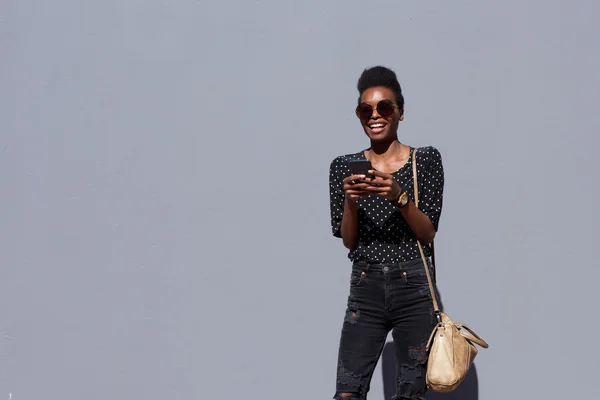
436	308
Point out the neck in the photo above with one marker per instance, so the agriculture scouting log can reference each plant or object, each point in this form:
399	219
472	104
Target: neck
386	150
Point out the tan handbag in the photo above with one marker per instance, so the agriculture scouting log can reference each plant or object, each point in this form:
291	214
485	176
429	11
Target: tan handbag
450	348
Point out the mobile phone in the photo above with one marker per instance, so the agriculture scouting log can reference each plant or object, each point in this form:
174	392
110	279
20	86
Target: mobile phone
361	167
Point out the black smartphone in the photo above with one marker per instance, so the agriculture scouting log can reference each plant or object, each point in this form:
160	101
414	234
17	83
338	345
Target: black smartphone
361	167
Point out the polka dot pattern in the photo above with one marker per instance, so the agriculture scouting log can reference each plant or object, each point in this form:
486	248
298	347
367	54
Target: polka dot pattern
383	234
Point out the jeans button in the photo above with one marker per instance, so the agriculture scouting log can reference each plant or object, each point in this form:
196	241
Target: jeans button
385	269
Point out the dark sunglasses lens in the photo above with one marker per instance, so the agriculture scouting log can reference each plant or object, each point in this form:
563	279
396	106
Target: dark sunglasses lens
385	108
364	111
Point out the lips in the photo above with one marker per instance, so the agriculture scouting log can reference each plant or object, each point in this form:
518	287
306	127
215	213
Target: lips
377	127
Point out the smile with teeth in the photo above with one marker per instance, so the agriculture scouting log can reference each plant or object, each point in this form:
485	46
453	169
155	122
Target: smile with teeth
378	127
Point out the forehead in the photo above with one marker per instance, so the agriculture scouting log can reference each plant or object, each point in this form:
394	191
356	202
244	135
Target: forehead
375	94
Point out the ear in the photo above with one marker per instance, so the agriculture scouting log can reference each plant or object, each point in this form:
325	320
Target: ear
401	115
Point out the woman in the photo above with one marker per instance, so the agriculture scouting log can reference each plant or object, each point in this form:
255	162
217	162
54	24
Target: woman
378	222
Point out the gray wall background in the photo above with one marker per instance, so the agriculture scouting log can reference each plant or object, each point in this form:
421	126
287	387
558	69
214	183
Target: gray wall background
164	229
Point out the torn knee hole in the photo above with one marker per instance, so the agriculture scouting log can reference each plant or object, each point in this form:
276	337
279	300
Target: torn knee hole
418	354
347	396
352	313
409	373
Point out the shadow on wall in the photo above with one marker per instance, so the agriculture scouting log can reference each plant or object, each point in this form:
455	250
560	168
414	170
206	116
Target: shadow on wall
467	390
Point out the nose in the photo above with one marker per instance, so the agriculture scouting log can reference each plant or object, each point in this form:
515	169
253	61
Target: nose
375	114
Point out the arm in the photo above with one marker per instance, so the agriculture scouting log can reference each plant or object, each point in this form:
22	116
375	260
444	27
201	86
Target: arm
416	219
354	187
431	190
423	221
350	224
418	222
343	195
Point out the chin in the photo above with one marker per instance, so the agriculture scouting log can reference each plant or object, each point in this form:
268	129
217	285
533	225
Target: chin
380	138
389	134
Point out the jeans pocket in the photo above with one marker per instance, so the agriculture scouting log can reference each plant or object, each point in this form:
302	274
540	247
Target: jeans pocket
415	276
357	277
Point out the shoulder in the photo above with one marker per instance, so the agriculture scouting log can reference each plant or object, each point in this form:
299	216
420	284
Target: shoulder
429	154
429	159
340	163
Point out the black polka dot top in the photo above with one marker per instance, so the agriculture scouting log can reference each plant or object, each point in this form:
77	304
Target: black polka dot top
383	234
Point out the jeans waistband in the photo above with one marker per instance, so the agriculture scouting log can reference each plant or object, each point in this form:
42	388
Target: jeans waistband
402	264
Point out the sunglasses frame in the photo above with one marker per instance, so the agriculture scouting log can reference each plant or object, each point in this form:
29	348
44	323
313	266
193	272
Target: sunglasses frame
358	108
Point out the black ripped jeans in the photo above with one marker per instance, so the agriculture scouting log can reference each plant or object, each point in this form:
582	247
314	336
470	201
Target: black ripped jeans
384	298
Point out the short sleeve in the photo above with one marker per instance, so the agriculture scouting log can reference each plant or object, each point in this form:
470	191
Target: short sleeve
336	194
432	188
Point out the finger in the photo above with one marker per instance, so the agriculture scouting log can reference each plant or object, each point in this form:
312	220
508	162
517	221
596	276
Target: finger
378	189
356	186
362	187
379	174
380	182
382	193
354	177
356	193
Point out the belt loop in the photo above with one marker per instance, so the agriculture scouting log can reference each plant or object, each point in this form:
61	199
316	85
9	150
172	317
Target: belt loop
400	266
366	266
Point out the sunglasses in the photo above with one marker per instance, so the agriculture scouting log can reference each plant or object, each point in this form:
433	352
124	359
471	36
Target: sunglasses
385	108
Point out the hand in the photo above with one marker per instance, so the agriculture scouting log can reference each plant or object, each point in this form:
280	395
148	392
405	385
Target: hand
356	186
384	185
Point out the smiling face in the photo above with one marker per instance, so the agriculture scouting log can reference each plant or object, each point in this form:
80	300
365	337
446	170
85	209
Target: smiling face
382	123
